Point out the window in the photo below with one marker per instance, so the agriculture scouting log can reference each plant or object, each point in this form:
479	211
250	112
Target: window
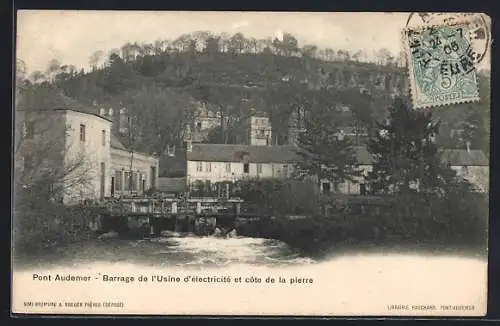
118	180
29	131
362	189
134	181
228	167
171	150
126	181
153	176
246	167
199	167
104	138
285	170
326	188
82	132
209	167
259	168
28	162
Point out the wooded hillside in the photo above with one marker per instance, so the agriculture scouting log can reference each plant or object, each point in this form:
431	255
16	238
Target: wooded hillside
163	83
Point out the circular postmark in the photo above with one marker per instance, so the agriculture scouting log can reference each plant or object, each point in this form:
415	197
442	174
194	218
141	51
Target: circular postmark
479	28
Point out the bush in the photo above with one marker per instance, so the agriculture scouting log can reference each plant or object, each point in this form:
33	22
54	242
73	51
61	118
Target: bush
461	220
44	226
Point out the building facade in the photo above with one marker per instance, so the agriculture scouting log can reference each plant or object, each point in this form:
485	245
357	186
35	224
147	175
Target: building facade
132	173
65	150
210	164
259	131
471	165
70	150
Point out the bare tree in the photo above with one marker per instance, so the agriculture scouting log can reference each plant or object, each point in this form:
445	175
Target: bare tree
53	68
46	165
95	58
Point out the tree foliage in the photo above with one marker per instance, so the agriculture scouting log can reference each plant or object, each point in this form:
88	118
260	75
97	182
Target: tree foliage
326	154
233	73
406	155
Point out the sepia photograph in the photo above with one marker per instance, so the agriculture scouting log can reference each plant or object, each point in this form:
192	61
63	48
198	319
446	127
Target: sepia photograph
251	163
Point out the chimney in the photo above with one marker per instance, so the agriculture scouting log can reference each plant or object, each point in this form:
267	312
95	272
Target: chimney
467	144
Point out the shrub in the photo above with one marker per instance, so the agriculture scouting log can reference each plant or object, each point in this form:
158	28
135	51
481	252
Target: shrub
42	226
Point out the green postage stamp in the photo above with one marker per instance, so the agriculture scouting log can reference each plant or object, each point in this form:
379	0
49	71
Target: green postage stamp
441	64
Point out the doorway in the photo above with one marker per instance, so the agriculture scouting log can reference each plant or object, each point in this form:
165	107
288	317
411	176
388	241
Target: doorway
326	187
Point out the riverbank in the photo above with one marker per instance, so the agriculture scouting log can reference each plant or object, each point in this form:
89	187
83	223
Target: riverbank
448	234
42	229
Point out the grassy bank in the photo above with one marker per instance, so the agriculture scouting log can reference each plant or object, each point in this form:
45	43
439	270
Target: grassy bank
409	223
428	222
49	226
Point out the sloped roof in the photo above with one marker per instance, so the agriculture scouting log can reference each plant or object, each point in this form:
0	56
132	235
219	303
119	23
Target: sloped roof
239	153
116	143
462	157
48	99
363	156
269	154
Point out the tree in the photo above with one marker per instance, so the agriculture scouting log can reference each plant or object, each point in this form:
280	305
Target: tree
237	43
289	45
475	132
95	58
53	68
160	117
406	156
325	155
476	127
212	44
384	56
37	76
309	51
127	51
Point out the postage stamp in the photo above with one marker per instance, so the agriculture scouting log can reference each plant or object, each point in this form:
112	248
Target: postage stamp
441	64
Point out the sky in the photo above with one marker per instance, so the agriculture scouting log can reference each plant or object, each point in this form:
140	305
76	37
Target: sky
72	36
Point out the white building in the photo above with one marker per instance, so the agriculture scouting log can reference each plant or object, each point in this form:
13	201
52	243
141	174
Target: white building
226	163
132	172
69	148
359	185
470	164
209	164
259	131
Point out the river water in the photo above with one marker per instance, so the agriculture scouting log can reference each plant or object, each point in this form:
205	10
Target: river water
173	249
360	282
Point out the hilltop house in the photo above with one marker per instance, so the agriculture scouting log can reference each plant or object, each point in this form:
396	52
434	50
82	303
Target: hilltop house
69	148
259	131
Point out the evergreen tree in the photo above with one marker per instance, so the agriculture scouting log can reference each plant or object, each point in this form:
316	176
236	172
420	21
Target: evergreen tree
326	154
406	156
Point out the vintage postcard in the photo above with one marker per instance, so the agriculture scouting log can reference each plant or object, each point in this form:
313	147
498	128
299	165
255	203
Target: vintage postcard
251	163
